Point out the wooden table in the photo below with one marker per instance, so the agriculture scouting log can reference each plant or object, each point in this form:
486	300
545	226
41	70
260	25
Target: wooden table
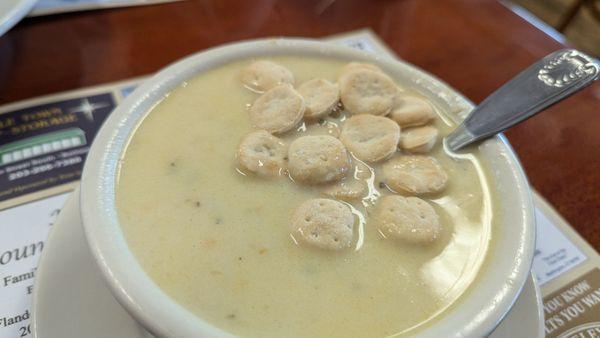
475	46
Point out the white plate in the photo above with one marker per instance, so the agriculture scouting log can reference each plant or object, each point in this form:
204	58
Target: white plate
71	301
11	11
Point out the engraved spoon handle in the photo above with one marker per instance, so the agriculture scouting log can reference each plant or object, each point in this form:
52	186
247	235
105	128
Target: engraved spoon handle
544	83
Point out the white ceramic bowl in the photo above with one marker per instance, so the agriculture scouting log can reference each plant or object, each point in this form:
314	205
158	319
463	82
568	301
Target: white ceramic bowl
475	315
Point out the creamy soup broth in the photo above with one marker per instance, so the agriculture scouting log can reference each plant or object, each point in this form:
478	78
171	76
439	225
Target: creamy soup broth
217	240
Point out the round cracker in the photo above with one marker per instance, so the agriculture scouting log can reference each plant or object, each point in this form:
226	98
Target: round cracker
347	190
323	223
278	110
352	66
416	174
408	219
317	159
262	153
364	91
419	139
411	111
320	97
370	138
263	75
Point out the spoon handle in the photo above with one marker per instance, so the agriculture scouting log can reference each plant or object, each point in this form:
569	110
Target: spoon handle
544	83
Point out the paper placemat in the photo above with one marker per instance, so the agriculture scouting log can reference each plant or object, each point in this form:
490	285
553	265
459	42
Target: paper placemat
49	7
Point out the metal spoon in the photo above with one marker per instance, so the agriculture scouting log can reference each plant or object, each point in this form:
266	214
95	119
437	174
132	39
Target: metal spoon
553	78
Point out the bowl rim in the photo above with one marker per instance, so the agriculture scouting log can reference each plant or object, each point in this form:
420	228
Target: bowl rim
489	299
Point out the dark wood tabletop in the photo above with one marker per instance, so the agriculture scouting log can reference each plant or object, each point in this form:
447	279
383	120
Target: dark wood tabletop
475	46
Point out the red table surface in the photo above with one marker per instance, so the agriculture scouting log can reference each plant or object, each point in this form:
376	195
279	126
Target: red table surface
475	46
